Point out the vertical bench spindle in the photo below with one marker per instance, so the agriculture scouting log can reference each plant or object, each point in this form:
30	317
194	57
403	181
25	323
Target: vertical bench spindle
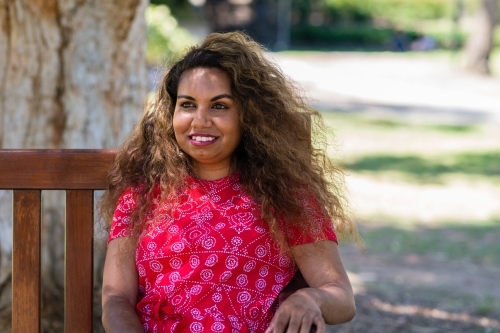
26	269
78	300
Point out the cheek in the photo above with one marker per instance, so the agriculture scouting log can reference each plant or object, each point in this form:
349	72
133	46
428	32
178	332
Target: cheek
177	124
236	134
178	127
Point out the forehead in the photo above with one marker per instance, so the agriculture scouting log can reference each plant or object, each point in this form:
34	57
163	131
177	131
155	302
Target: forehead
201	78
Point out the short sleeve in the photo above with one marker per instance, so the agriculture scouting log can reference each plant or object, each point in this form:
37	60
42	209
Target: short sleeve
121	225
322	226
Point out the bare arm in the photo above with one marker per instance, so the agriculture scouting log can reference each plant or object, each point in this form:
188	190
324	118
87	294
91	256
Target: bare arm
329	299
120	288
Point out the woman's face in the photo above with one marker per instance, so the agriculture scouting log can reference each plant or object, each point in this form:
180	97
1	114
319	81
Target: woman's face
206	121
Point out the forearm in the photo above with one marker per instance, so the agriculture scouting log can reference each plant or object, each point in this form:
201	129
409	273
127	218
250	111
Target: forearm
119	316
335	301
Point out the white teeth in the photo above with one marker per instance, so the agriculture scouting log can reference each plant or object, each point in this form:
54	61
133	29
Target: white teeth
203	138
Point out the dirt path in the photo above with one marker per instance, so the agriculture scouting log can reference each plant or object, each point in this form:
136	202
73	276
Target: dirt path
422	89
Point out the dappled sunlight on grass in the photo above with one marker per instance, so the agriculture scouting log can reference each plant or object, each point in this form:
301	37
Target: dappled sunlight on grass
427	169
422	172
389	197
357	135
390	308
476	242
415	310
425	193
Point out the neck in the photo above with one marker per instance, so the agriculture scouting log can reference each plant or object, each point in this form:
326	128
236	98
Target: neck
212	173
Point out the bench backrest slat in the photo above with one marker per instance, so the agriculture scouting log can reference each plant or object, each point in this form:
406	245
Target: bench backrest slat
26	261
55	169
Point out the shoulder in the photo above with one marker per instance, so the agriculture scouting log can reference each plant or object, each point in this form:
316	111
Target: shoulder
316	226
122	223
127	200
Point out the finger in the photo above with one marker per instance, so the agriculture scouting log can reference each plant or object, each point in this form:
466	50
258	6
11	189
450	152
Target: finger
307	324
295	324
319	322
280	323
270	328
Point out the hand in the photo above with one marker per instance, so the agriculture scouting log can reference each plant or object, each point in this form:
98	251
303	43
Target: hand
299	313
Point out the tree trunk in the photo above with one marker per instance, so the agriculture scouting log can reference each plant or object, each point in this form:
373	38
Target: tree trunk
480	42
72	75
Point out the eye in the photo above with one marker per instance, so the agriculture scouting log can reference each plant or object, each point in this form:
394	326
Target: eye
187	104
219	106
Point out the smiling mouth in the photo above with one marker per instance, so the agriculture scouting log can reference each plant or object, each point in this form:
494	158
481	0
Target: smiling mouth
202	138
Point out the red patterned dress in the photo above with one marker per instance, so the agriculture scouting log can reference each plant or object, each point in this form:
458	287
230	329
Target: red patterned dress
210	265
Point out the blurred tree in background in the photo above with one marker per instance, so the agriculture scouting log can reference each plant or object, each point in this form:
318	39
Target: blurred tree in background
364	25
334	24
480	43
257	17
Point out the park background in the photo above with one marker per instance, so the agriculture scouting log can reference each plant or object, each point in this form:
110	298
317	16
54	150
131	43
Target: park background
411	90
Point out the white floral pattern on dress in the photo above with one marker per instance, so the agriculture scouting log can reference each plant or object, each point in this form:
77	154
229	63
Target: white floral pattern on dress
211	264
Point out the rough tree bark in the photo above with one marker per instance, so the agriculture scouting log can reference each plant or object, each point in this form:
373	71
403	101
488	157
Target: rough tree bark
480	42
72	75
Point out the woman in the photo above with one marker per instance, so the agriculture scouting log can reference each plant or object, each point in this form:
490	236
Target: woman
216	201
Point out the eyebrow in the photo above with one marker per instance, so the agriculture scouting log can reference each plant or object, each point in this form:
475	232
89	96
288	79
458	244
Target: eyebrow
211	100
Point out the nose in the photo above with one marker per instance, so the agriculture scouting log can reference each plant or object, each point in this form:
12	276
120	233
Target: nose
202	117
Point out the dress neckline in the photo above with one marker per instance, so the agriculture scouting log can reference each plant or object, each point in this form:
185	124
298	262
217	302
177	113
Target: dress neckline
216	184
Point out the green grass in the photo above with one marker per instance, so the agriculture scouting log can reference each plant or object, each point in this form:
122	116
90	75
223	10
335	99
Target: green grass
425	156
375	149
447	299
476	242
340	121
383	145
453	128
485	306
425	169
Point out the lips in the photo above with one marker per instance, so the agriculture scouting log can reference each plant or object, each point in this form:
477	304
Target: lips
201	139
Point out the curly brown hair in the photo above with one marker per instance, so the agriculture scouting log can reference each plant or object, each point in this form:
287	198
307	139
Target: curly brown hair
282	150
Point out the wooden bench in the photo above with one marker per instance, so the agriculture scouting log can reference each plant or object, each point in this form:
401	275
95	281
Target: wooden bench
79	173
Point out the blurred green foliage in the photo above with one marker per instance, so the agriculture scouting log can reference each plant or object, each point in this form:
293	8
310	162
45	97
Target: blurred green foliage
358	24
166	40
355	36
367	37
391	10
373	24
180	9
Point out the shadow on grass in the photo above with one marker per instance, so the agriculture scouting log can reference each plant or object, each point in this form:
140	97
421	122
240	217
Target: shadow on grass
392	306
475	242
388	123
411	311
471	163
